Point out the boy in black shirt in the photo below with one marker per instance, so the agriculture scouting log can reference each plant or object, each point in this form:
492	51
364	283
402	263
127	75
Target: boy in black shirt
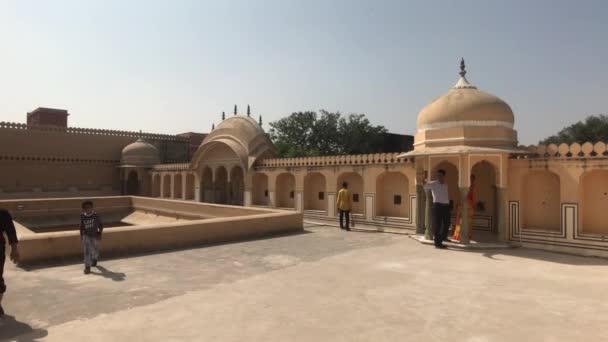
90	233
6	227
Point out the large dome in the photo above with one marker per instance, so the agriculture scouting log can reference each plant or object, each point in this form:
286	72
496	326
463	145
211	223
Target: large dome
466	116
462	106
139	153
239	137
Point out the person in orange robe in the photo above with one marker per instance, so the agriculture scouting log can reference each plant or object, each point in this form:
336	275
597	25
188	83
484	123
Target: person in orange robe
471	199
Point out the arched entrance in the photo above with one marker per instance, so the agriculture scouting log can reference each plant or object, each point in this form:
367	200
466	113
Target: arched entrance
485	209
260	189
221	185
237	186
594	202
392	195
541	201
132	183
285	191
207	191
315	197
355	185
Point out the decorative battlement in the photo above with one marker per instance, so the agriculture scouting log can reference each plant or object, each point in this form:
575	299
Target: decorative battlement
172	167
586	150
357	159
92	131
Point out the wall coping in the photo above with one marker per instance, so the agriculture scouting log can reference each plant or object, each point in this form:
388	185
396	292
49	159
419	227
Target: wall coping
92	131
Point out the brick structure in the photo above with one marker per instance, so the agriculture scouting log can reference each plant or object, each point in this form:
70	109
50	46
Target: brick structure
48	117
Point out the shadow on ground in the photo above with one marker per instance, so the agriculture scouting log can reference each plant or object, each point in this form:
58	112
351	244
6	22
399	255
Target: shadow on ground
536	254
104	272
13	330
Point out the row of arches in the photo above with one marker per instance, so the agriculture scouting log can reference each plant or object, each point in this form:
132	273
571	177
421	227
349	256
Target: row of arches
392	192
222	186
162	187
541	201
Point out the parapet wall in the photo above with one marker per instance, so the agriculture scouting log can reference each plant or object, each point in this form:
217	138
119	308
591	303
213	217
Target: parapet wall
576	150
357	159
38	160
230	224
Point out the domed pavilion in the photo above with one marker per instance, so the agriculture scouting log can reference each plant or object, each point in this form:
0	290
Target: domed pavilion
466	132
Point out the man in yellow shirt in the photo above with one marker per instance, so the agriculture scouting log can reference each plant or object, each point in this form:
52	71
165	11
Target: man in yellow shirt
343	203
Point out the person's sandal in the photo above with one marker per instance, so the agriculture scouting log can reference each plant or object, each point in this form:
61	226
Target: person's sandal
87	270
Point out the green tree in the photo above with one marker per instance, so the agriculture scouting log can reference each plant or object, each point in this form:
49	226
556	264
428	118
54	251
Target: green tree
594	128
359	136
304	134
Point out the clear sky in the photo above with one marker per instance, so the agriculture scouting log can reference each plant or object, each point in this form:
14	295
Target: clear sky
174	66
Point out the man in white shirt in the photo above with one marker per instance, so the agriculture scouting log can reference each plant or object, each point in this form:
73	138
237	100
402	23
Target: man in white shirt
441	208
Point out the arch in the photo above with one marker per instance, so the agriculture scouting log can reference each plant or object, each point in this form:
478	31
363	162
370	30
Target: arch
237	186
166	186
485	190
315	196
177	185
541	201
207	191
260	189
451	176
132	183
593	192
156	182
221	185
285	190
190	180
392	195
355	185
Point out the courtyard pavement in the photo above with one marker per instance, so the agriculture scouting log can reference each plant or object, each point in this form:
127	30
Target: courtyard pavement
322	285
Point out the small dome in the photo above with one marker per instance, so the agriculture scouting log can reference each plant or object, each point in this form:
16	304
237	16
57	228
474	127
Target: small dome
140	153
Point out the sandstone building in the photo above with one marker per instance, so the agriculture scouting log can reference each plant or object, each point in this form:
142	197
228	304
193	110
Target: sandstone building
551	197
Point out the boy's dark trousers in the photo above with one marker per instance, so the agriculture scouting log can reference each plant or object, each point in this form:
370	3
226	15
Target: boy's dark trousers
441	222
342	214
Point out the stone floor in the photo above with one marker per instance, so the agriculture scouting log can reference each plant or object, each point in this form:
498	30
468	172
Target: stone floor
322	285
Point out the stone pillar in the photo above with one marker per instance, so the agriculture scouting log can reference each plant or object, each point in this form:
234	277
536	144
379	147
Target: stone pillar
299	200
331	204
420	209
464	214
501	217
369	206
162	186
197	188
172	185
272	198
184	185
428	213
248	189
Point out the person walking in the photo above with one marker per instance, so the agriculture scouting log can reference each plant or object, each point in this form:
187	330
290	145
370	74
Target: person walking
441	208
344	203
91	229
6	227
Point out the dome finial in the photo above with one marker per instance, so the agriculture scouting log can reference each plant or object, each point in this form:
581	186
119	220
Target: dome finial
213	126
235	111
223	116
462	68
260	122
248	111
